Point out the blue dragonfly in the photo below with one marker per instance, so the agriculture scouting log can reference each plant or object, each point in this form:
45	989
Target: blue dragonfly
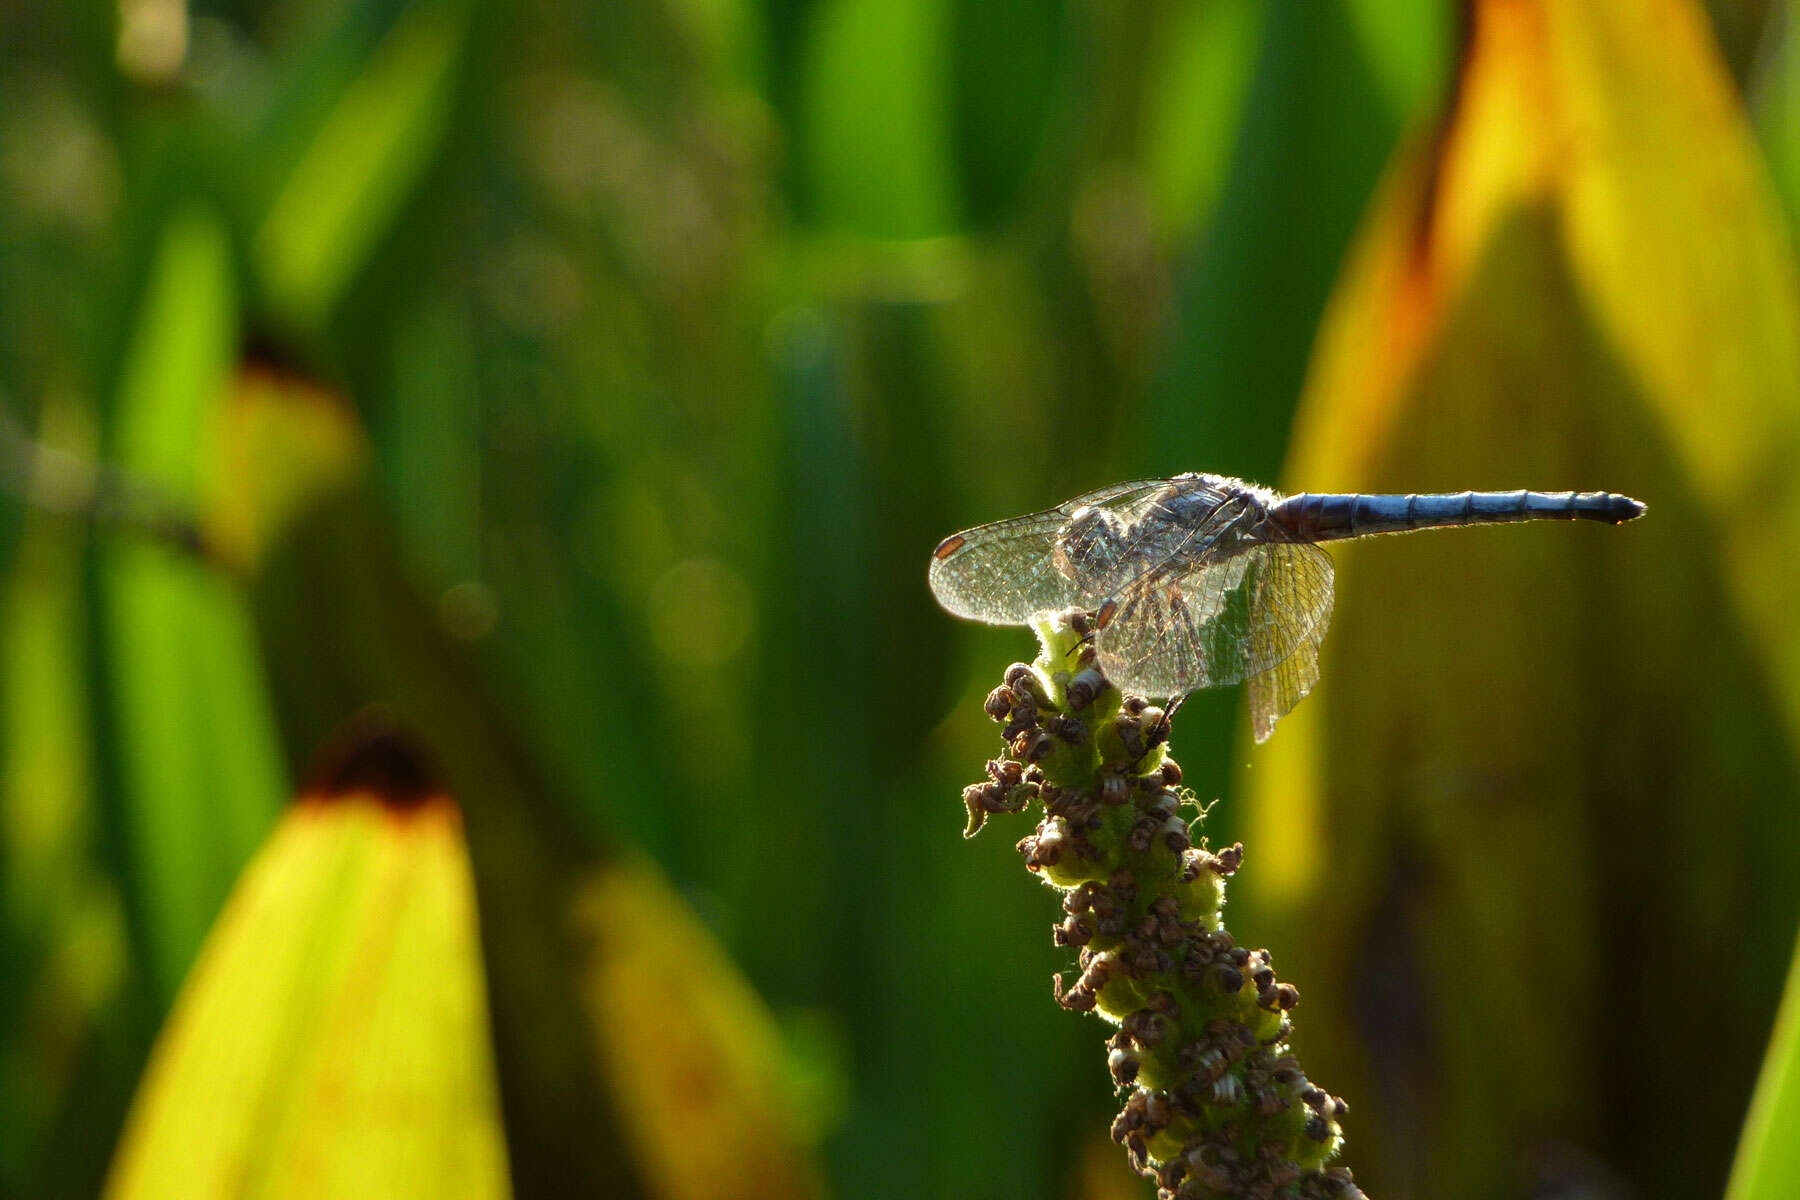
1203	580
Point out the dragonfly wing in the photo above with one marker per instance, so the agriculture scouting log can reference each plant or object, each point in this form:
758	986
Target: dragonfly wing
1170	633
1005	572
1274	693
1219	622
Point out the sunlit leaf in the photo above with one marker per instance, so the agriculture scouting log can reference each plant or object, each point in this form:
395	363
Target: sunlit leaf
343	193
332	1039
1404	43
632	1058
694	1061
63	959
1465	838
1768	1159
1774	94
877	120
1193	104
200	772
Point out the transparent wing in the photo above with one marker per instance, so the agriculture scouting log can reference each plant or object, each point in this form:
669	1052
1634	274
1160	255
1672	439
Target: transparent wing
1274	693
1004	573
1223	621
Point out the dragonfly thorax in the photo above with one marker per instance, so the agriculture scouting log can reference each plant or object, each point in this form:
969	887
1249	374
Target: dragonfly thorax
1090	545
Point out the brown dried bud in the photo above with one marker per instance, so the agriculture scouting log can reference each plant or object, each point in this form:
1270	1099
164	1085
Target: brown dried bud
1163	803
1211	1063
999	704
1079	998
1147	1028
1082	689
1074	931
1029	689
1131	735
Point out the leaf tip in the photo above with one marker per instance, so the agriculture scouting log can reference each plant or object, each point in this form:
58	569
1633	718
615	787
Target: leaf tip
376	755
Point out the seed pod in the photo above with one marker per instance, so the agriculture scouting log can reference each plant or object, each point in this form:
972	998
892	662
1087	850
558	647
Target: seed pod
1163	804
1113	789
1082	689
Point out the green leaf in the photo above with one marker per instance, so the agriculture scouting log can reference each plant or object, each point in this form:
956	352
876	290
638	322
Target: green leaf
1768	1158
199	771
1194	99
876	133
346	188
1774	95
64	961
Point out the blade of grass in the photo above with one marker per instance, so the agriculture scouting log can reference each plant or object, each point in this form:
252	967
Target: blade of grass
1768	1157
198	769
349	184
63	944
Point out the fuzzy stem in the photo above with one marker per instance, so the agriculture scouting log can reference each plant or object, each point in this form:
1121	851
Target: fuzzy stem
1215	1104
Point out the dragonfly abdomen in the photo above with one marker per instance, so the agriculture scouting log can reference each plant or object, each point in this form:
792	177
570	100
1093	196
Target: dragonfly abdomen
1313	516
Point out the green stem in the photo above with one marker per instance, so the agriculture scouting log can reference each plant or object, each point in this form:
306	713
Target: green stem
1215	1104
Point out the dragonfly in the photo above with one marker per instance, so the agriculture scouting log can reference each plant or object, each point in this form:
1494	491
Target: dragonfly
1205	581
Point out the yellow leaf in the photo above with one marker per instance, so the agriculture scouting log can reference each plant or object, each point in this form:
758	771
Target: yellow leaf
1544	763
633	1056
694	1060
332	1039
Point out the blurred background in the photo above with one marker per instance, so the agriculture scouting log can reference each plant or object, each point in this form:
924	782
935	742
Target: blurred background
585	386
